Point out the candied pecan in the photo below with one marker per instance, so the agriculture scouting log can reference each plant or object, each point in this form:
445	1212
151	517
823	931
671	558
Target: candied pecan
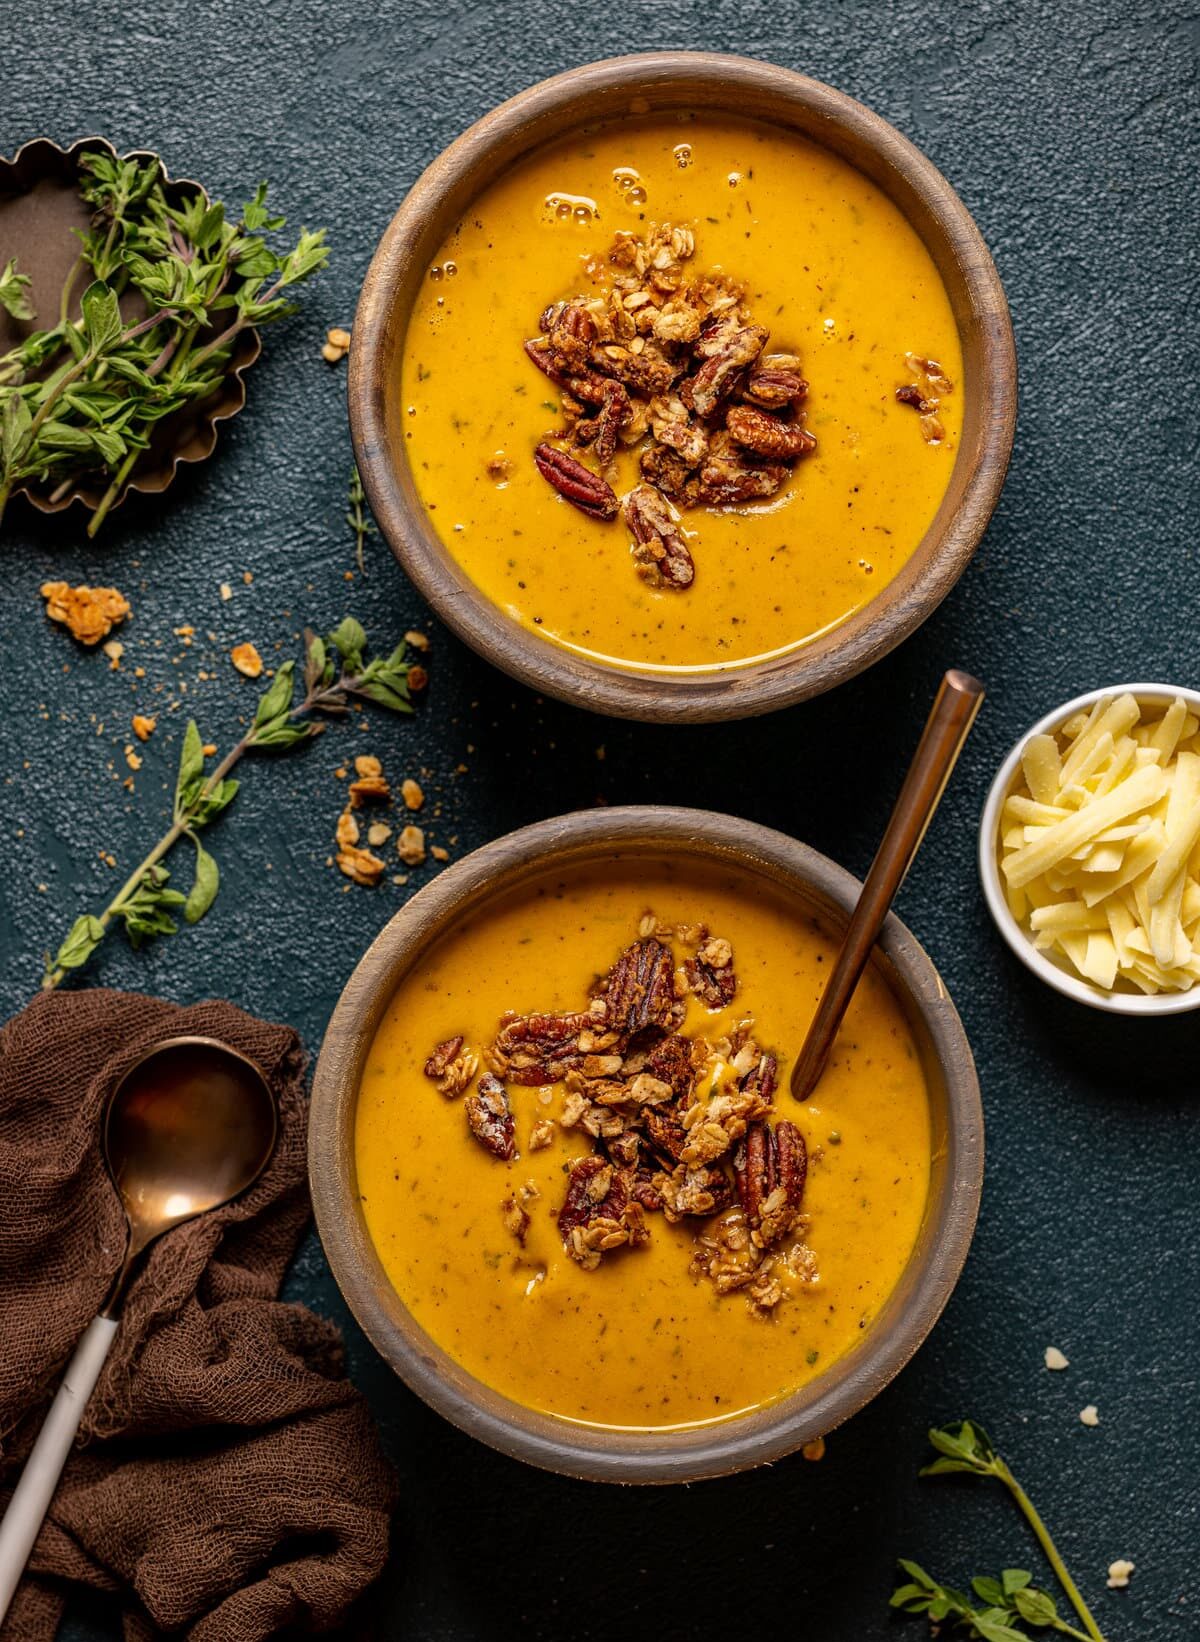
710	973
730	476
770	1170
671	1060
613	415
910	394
647	372
727	349
669	473
542	1048
575	483
766	435
661	554
762	1078
626	1149
665	1131
451	1066
672	424
489	1117
569	336
585	385
775	382
639	991
599	1212
701	1190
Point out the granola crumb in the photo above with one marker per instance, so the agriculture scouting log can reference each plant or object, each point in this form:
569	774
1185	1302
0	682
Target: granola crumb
1090	1415
247	660
814	1450
1055	1358
418	640
378	833
209	748
410	846
366	765
400	878
418	678
542	1134
88	613
338	337
132	759
143	726
412	794
370	788
347	833
226	592
247	577
438	853
332	355
114	650
360	866
1118	1574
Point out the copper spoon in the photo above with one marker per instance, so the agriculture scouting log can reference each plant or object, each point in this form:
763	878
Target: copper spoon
190	1126
959	699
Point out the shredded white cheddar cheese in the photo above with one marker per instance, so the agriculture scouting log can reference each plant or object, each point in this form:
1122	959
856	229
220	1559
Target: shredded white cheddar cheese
1100	845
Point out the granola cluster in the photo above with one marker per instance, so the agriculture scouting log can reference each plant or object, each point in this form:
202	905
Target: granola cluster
929	386
667	359
681	1126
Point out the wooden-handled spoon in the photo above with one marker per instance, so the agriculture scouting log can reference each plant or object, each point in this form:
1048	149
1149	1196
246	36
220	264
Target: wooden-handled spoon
959	699
190	1126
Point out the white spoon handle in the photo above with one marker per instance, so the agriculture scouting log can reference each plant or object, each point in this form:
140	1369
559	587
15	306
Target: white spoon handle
32	1495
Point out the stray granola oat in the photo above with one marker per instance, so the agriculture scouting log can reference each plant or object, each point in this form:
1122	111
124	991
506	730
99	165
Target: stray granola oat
247	660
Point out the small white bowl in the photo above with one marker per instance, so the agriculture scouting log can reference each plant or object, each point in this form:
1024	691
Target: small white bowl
1045	967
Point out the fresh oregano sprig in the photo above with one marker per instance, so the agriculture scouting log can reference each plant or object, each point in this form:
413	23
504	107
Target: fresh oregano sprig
1010	1599
83	397
336	670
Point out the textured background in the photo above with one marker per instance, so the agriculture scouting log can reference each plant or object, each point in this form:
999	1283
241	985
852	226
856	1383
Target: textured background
1070	132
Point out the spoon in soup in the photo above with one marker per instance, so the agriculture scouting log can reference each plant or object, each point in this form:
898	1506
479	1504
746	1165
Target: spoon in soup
190	1126
958	700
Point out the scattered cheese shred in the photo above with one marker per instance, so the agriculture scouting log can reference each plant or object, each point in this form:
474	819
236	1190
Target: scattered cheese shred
1099	845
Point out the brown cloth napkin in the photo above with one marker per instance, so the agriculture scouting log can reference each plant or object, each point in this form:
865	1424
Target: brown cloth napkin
229	1486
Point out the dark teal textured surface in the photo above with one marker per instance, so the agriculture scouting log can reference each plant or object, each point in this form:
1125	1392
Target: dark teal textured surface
1070	132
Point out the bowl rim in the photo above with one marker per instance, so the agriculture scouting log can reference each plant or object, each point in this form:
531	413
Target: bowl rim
827	658
1018	942
554	1442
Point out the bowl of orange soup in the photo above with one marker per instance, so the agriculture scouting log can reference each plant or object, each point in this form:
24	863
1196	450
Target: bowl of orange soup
682	386
561	1180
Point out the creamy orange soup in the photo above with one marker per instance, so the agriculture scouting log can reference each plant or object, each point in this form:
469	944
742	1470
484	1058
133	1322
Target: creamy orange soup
640	1341
829	265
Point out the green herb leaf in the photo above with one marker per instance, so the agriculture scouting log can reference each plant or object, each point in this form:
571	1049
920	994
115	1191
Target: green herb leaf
14	292
204	886
85	936
191	769
1014	1579
277	699
1035	1607
101	316
350	640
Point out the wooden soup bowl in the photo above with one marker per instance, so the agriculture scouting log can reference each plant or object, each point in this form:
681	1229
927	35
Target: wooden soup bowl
655	83
812	883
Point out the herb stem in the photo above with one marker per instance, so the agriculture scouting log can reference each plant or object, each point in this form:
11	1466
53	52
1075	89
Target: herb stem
64	301
1030	1513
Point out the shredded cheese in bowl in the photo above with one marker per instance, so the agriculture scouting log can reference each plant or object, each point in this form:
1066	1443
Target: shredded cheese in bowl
1099	844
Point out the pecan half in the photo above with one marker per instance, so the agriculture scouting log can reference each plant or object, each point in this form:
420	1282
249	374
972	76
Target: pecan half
533	1049
762	1079
770	1169
710	973
766	435
599	1212
671	1060
727	349
489	1117
613	415
451	1066
910	394
639	991
575	483
660	553
775	382
730	476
